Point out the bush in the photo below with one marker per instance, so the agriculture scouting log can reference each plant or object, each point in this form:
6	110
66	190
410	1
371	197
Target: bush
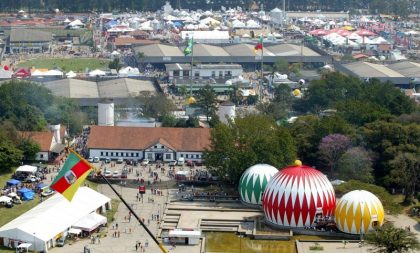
316	247
380	192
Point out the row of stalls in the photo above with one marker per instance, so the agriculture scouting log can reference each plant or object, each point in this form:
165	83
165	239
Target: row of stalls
7	73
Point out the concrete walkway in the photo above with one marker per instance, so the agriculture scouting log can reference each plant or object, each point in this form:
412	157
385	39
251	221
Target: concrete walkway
403	221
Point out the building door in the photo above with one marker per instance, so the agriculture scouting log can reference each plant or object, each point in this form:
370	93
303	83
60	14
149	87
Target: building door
159	156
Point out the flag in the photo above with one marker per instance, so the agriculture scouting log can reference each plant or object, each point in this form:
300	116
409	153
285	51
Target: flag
188	50
71	176
259	45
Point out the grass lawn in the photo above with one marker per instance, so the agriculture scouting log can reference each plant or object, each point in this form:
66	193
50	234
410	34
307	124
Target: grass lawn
74	64
111	213
8	214
5	177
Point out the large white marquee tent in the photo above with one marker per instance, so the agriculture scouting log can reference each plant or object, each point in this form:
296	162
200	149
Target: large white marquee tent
51	219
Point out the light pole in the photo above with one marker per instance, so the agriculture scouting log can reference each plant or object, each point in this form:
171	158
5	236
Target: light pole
34	243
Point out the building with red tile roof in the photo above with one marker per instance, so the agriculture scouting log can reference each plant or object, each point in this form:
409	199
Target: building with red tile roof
137	143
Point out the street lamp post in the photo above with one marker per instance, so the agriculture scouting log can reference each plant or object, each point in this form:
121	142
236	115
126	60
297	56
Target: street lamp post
34	243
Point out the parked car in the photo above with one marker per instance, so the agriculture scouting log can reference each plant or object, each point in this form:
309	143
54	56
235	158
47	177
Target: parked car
145	162
107	173
120	160
47	193
129	162
96	159
116	174
32	179
172	163
60	242
124	174
90	159
135	163
181	161
107	160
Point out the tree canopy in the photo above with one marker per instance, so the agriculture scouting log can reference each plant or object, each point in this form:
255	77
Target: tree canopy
245	142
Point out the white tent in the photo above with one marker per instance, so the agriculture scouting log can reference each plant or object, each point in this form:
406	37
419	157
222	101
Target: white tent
97	72
26	169
52	217
76	23
128	71
90	222
71	74
5	199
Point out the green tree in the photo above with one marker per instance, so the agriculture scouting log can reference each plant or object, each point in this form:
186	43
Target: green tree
29	149
281	104
10	156
360	112
169	120
140	57
245	142
183	90
155	105
389	239
207	101
115	64
281	66
355	164
405	171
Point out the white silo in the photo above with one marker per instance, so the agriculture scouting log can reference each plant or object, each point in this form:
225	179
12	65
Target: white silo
55	129
106	114
226	112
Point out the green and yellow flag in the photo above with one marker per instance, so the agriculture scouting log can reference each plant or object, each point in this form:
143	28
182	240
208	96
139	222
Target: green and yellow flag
189	49
71	176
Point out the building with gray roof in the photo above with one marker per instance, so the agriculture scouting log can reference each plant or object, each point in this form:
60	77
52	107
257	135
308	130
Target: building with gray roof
88	93
406	68
243	54
124	87
73	88
29	40
159	50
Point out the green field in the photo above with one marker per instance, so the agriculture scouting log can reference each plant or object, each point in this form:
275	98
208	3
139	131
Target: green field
74	64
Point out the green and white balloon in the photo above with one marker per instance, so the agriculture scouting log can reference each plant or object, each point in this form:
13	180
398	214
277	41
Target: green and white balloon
253	182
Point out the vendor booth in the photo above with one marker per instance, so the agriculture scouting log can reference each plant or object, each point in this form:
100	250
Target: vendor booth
182	175
26	194
90	222
13	182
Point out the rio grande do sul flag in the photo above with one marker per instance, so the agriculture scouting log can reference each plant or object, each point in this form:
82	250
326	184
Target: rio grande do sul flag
71	176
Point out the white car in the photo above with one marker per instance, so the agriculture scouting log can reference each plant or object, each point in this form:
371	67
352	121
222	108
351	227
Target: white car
145	162
90	159
116	174
107	173
96	159
120	160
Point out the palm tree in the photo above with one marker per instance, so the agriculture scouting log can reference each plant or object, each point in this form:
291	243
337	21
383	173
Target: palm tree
389	239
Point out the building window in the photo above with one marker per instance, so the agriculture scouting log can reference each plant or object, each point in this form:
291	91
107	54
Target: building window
213	74
116	153
186	156
186	73
228	73
41	156
106	153
132	154
137	154
220	73
112	153
181	155
176	73
156	146
168	156
126	154
102	153
197	156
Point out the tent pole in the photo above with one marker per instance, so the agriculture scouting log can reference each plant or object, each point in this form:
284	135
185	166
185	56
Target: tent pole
135	215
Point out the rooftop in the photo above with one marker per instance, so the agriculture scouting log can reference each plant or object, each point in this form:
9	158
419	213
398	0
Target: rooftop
367	69
124	87
182	139
44	139
29	35
406	68
159	50
73	88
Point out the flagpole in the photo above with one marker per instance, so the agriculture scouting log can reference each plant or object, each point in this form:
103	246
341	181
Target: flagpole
262	65
192	64
98	172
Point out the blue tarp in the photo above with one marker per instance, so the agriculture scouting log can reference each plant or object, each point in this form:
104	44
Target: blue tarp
13	182
40	186
26	194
